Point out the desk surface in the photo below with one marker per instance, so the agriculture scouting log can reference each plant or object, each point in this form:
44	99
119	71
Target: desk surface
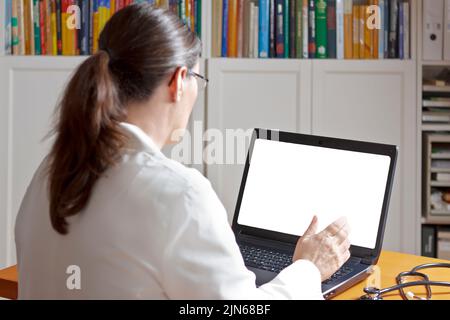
390	264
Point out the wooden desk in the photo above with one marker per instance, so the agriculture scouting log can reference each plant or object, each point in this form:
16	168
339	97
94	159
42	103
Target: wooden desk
8	283
390	264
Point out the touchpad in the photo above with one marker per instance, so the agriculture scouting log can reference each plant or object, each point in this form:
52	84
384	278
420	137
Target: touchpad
262	276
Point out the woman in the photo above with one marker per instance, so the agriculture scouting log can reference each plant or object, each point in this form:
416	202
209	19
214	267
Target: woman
107	215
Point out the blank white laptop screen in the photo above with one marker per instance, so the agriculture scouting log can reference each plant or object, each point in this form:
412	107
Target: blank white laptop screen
287	184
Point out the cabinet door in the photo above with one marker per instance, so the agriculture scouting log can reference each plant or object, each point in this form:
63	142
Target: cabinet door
29	89
245	94
374	101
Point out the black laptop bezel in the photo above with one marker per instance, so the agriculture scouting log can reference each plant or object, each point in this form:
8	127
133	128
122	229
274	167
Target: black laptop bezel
370	255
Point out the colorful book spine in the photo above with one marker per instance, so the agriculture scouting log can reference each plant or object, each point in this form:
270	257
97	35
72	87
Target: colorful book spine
8	28
368	39
321	29
54	27
15	28
406	30
305	27
348	29
85	21
232	29
292	30
273	29
286	23
312	29
381	30
386	28
224	28
95	25
362	28
375	33
298	29
37	28
356	18
42	26
264	8
401	32
331	23
340	29
217	27
280	29
58	27
393	29
240	27
48	27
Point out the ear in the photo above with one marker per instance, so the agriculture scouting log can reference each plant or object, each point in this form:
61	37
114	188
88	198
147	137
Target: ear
176	87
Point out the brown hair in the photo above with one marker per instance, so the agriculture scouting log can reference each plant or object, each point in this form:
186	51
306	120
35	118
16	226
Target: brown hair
138	48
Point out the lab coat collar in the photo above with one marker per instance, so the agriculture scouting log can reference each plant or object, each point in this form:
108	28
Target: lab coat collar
139	139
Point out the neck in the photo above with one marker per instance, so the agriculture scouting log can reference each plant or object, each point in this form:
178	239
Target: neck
153	119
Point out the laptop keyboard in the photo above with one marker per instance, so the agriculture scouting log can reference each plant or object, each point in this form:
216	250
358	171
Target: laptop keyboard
274	261
265	259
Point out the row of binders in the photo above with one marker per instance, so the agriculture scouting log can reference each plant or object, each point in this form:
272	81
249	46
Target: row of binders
49	27
436	30
334	29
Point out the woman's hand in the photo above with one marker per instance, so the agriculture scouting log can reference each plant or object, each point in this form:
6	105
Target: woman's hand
328	249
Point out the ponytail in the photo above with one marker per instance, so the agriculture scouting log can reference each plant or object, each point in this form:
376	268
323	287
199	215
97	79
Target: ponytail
88	138
140	46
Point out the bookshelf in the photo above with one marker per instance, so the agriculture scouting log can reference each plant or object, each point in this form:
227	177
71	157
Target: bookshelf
371	100
433	137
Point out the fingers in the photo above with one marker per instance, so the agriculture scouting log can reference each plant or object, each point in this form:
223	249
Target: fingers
339	227
312	229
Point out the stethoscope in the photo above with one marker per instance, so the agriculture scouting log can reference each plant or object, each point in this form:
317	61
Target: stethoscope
377	294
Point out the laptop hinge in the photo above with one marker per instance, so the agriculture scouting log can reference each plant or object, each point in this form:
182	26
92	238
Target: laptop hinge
366	260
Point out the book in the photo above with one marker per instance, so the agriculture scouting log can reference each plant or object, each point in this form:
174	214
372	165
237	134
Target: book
217	28
286	23
393	29
428	241
348	29
37	27
368	39
272	29
305	28
401	31
356	18
279	48
264	8
240	27
406	30
84	31
8	28
375	32
381	35
340	29
256	32
224	28
331	26
443	243
14	28
312	29
232	28
298	29
321	29
362	28
292	29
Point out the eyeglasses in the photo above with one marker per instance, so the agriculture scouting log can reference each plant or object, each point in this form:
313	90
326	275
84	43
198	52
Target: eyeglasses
201	80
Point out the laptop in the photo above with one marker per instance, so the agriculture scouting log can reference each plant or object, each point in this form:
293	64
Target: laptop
288	178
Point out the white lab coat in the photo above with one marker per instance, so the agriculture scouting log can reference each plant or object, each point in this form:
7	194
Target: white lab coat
153	229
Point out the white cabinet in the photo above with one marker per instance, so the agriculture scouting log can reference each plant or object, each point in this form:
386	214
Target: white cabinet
374	101
29	89
247	93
